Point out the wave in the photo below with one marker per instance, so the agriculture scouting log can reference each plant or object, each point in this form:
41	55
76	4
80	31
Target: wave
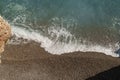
54	47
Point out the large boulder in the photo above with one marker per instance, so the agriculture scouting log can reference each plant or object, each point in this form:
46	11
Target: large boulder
5	34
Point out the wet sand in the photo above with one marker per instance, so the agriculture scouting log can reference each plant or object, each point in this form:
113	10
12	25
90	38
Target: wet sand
30	62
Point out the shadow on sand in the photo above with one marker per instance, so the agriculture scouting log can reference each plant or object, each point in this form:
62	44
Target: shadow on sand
112	74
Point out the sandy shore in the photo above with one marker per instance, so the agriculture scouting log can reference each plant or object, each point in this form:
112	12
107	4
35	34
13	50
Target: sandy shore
30	62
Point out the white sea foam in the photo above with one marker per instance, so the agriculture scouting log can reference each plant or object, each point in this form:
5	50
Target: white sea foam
30	35
60	47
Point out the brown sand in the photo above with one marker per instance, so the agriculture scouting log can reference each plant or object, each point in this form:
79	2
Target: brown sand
30	62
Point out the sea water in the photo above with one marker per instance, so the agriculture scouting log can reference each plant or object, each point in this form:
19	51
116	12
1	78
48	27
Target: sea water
63	26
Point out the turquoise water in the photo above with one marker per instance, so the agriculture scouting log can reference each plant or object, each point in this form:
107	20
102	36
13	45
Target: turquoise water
83	22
